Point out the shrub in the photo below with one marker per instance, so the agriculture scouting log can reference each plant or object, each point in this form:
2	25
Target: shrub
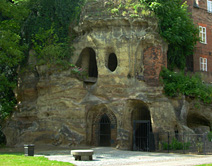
180	84
210	136
176	145
2	138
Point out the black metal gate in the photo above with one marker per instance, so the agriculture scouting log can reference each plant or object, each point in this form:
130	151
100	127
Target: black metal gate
141	135
104	131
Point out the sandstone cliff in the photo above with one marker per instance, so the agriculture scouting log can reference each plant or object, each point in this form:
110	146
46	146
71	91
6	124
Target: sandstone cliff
123	57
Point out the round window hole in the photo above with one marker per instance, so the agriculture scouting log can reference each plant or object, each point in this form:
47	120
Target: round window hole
112	62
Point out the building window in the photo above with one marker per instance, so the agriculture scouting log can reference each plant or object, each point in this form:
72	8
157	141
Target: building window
209	6
202	34
203	64
196	3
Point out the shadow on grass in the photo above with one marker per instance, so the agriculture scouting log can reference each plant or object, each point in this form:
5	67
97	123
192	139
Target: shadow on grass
12	153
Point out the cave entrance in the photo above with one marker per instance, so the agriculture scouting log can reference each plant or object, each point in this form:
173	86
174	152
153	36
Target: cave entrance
104	131
141	131
198	123
103	127
87	61
143	138
92	71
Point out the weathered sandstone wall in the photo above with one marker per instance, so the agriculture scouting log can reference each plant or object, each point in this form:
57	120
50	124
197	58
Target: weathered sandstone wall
123	57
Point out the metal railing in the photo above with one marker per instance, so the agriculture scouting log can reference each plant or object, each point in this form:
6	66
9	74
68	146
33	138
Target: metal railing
182	143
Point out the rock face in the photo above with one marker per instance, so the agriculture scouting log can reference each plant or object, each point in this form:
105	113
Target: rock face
123	57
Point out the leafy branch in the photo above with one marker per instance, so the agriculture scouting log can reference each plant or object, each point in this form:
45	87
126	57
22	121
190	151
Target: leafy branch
180	84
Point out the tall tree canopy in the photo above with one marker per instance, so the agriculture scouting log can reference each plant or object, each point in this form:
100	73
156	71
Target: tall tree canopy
42	25
177	27
46	28
11	52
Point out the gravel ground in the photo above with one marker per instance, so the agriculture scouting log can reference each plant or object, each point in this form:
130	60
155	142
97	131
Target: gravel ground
104	156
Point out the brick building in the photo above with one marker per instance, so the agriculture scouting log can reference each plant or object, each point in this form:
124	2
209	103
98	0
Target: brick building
201	60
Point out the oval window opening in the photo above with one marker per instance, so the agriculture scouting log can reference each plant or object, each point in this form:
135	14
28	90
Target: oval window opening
112	62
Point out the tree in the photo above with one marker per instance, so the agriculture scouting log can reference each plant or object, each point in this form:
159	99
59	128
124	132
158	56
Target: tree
42	25
46	29
177	27
11	53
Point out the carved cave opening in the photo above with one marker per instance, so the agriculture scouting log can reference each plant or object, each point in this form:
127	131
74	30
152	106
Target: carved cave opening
112	62
92	71
143	138
104	128
87	61
104	131
195	121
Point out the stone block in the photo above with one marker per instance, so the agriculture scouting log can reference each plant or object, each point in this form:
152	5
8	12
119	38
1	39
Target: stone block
84	155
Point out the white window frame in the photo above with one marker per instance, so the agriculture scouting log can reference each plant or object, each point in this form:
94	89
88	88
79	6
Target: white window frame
202	34
209	6
203	64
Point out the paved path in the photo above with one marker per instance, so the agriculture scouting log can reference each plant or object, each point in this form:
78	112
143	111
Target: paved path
104	156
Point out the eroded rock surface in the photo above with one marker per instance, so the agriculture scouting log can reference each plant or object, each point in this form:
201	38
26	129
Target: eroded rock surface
123	57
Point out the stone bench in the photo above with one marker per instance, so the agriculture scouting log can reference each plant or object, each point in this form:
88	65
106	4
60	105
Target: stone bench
85	155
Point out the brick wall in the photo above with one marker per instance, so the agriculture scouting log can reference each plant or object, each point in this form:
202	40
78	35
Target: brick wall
203	18
154	59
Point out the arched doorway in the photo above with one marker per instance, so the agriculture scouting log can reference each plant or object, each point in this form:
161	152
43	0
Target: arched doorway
104	131
143	138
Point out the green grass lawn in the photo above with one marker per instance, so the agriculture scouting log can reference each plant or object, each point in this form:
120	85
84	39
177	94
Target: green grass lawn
20	159
205	165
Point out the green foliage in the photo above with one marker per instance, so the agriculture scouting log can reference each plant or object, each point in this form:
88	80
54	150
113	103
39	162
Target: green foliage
45	14
131	8
177	27
210	136
11	53
42	25
7	100
2	139
114	10
48	48
46	29
78	71
18	159
176	145
178	83
199	146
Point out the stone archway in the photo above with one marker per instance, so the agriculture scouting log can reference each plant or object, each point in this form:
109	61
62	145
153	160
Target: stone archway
99	129
142	135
